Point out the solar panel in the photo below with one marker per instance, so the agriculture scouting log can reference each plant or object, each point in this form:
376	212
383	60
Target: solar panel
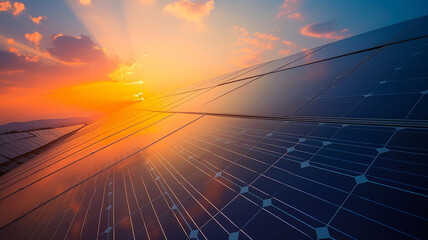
331	143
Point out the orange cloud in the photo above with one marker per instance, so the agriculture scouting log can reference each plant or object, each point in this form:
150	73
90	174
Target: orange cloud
34	38
14	50
5	6
190	11
260	41
10	41
324	30
296	15
242	30
254	46
124	71
85	2
18	8
37	20
289	8
284	52
289	45
28	57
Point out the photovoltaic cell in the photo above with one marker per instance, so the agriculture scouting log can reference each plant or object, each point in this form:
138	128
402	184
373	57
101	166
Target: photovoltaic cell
332	146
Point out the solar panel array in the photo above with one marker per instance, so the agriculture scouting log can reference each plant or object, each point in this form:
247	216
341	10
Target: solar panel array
14	145
328	143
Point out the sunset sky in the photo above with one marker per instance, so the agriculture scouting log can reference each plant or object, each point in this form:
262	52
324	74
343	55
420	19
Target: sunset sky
70	58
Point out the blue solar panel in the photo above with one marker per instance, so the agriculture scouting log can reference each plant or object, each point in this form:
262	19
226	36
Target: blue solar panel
327	144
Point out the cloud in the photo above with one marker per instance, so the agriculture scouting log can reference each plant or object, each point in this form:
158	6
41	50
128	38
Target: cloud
324	30
15	9
10	41
242	30
5	6
75	49
18	8
123	72
190	11
13	61
289	8
290	46
85	2
37	20
296	15
34	38
259	41
28	57
252	46
284	52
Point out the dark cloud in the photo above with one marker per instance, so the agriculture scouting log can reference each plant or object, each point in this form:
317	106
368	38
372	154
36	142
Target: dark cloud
320	28
324	30
11	62
76	49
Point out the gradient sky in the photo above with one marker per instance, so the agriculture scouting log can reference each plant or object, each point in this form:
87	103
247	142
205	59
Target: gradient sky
68	58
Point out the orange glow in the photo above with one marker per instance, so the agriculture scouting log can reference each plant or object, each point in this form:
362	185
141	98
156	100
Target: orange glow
34	38
37	20
190	11
18	8
5	6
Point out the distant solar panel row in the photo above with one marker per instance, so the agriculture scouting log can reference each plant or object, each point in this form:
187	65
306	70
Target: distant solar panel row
13	145
329	143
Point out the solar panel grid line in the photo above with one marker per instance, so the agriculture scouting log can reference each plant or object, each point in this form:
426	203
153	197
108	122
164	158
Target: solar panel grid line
232	176
249	69
39	215
317	61
174	92
339	78
94	175
197	191
138	204
83	189
304	177
410	24
384	84
179	203
157	179
247	78
141	208
358	121
262	174
259	175
357	183
58	160
68	149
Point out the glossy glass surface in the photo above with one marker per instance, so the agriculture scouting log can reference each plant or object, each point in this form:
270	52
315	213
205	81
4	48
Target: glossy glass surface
281	93
222	177
386	86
